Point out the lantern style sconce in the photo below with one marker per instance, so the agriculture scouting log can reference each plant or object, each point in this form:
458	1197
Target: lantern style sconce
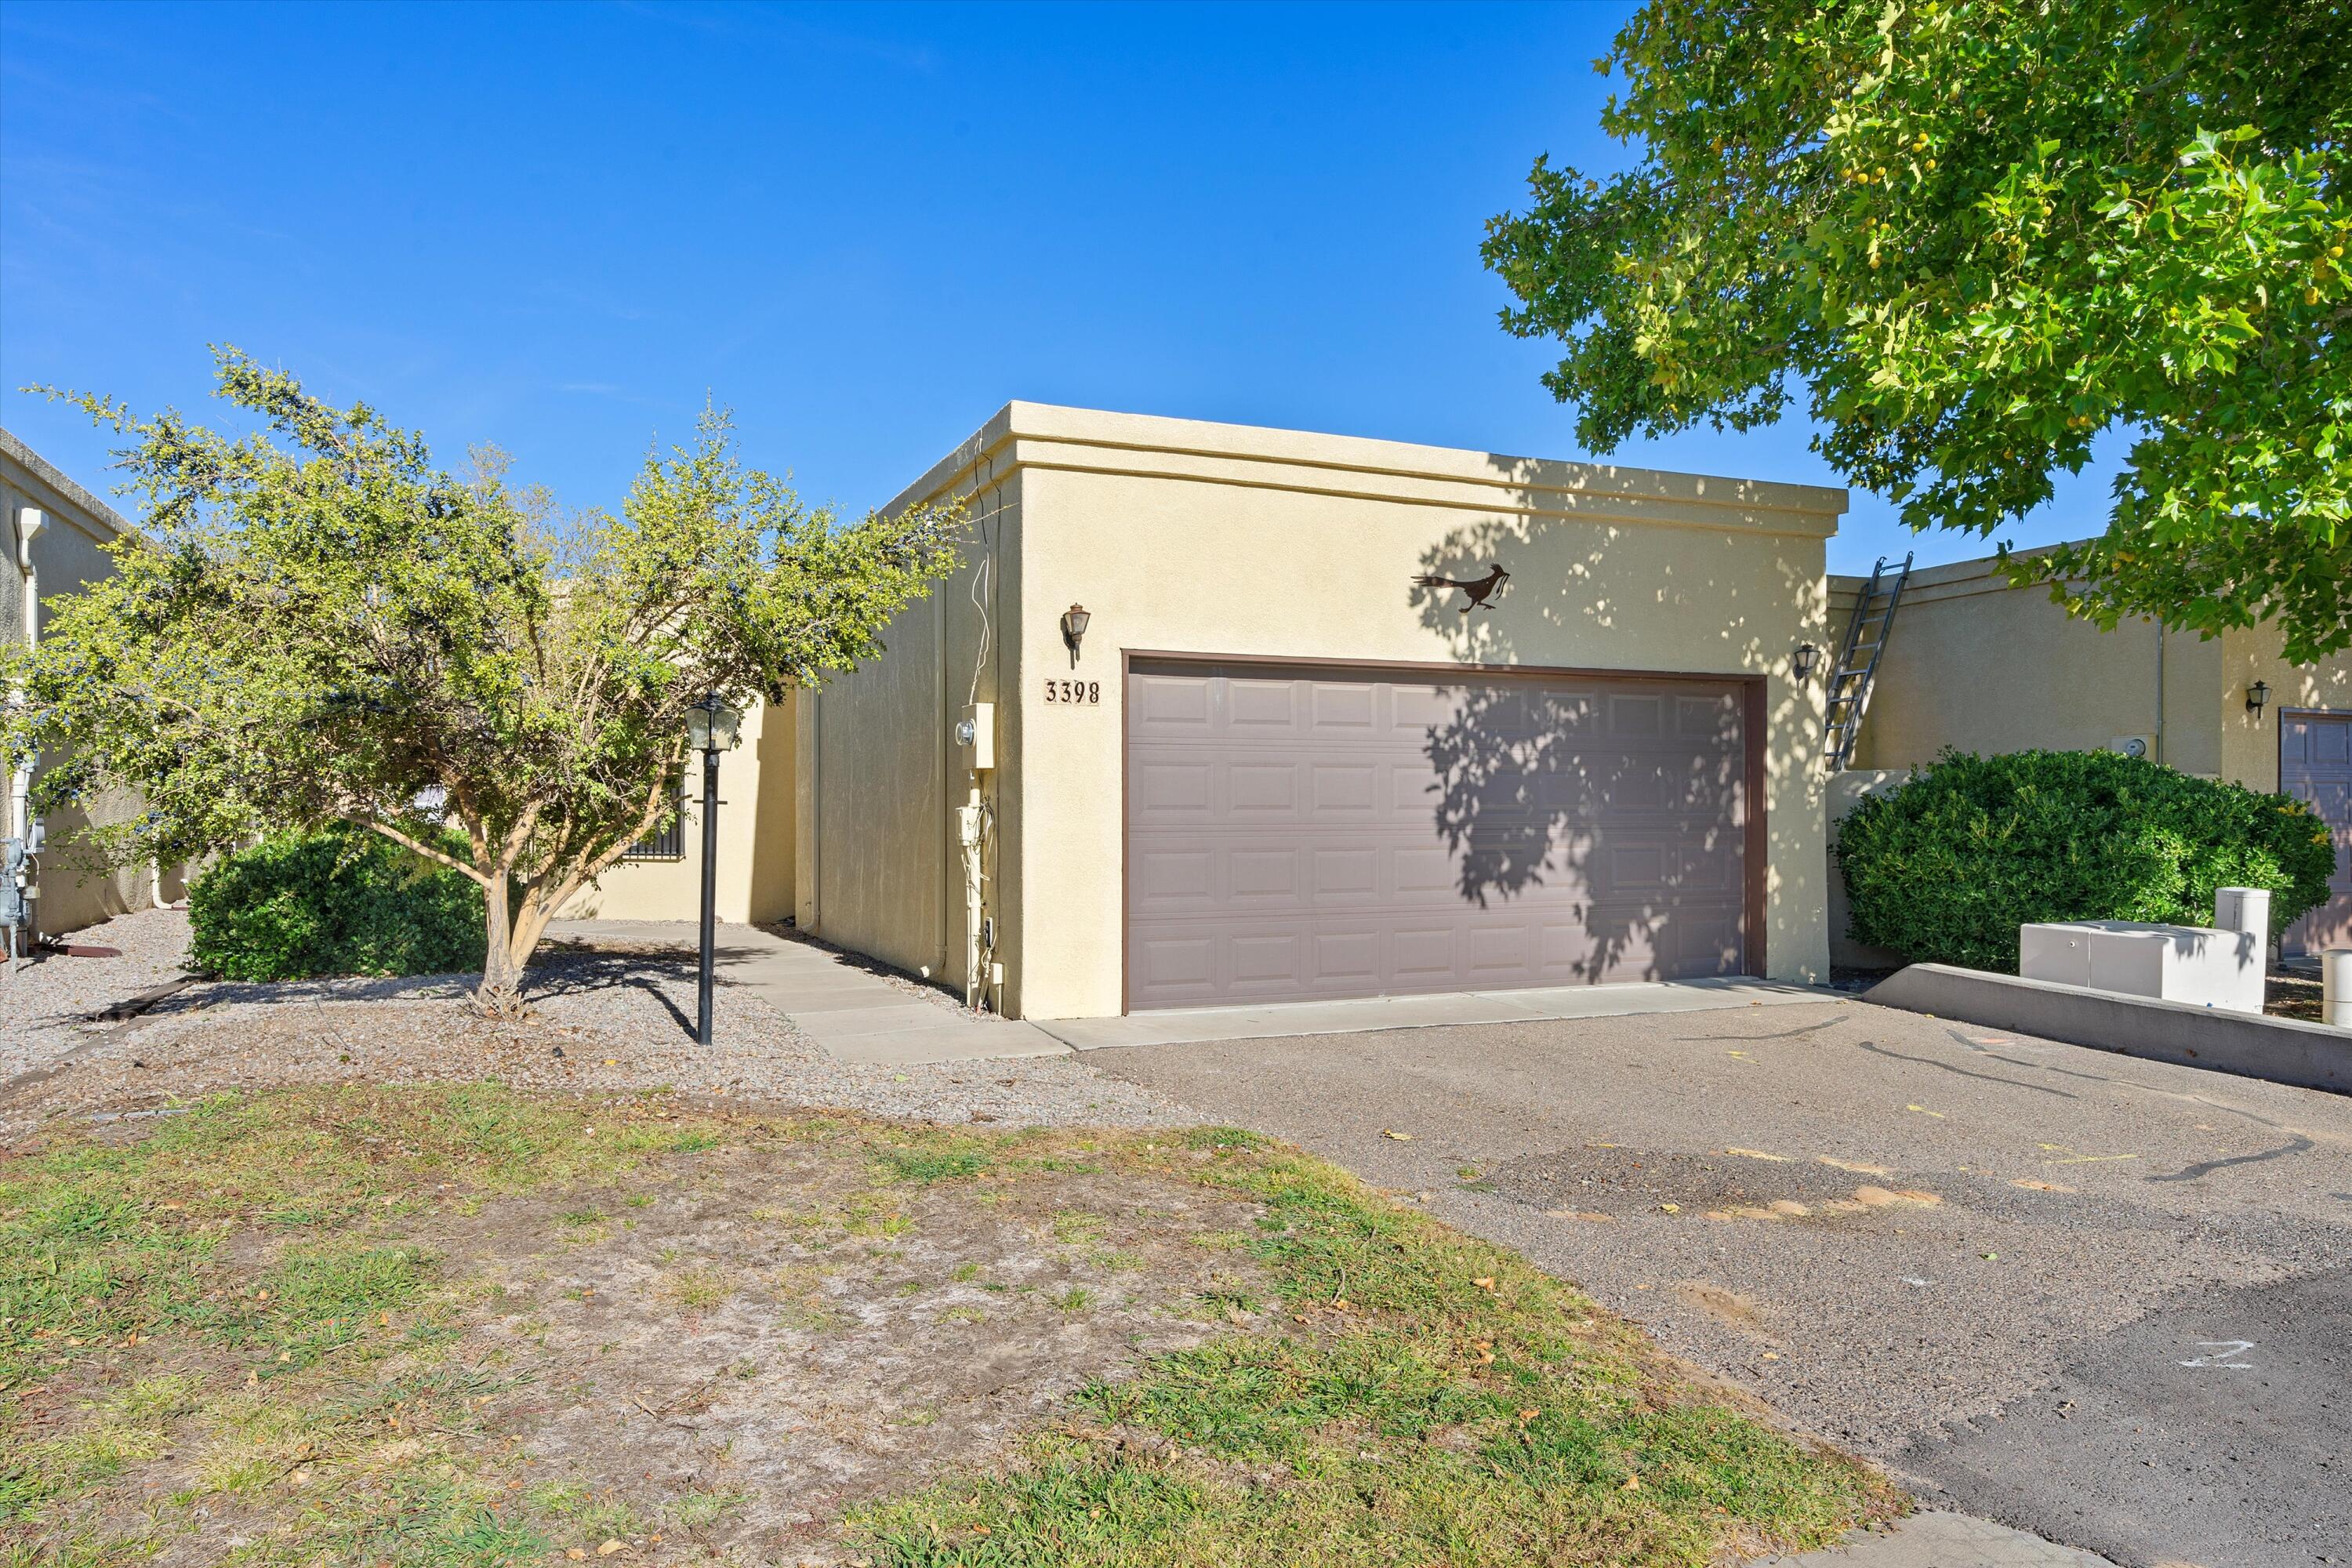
1074	630
711	725
2258	696
1801	663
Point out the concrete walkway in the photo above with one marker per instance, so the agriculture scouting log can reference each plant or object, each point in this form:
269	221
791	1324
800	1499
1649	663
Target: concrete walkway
1935	1540
859	1015
855	1015
1170	1025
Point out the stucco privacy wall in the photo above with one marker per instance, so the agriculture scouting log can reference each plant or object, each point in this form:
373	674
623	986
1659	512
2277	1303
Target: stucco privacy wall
756	837
67	555
1187	537
879	779
1979	666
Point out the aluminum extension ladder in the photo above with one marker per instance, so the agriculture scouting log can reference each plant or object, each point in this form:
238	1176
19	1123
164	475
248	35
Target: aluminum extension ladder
1857	664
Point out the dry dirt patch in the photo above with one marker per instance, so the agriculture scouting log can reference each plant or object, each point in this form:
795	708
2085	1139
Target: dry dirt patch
795	1332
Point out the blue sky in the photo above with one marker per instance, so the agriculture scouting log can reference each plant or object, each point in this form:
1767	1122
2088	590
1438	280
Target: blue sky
556	228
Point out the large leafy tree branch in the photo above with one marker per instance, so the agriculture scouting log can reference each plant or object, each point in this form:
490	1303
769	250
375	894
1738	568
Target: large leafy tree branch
320	624
1980	233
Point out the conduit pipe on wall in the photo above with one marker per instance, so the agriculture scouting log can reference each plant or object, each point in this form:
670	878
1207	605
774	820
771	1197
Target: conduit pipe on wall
30	523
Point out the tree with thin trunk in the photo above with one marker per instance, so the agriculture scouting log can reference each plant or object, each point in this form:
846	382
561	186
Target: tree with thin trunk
319	625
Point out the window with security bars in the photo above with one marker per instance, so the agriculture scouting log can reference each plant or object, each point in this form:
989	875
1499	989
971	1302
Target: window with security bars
670	843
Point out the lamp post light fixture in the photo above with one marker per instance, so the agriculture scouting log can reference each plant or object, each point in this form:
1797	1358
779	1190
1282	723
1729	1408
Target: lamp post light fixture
710	728
2258	696
1801	663
1074	629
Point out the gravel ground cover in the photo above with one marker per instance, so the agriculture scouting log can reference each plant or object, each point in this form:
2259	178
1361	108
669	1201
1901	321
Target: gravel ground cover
607	1016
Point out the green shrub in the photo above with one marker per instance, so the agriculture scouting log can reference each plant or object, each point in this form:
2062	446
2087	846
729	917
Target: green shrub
1946	867
344	902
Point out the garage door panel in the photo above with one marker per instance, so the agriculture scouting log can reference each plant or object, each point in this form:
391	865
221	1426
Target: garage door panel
1258	877
1349	788
1163	790
1346	961
1173	881
1259	789
1354	873
1169	704
1261	706
1422	955
1267	958
1360	836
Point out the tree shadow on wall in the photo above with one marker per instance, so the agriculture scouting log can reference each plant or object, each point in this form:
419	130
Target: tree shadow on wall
1561	792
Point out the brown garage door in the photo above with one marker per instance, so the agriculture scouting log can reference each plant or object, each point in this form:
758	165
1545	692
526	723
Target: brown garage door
1297	834
2315	765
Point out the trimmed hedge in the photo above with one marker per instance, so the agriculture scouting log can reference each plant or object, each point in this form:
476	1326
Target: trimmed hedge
1945	867
343	901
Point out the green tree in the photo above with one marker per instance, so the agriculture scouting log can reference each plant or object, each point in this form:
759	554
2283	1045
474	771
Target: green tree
320	625
1981	233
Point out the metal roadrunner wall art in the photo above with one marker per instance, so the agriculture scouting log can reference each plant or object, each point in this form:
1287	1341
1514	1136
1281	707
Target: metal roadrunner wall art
1479	589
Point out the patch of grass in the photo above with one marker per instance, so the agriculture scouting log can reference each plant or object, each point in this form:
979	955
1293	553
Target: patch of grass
1221	1241
1399	1392
699	1511
697	1289
1075	1227
1429	1399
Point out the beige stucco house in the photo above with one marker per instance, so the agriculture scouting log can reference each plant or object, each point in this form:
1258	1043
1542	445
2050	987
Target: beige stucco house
56	530
1978	665
1271	765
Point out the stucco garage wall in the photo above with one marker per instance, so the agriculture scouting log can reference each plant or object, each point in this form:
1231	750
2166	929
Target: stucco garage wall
1189	538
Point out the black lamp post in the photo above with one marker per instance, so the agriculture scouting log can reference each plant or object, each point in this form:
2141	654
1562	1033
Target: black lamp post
709	728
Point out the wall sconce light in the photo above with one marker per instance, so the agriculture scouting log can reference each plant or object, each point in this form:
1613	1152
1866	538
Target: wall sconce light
2257	695
1801	663
1074	629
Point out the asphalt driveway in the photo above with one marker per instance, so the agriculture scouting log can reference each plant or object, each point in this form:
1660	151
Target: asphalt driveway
2105	1301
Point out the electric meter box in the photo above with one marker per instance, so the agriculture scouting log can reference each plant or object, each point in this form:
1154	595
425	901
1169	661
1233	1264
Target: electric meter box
976	733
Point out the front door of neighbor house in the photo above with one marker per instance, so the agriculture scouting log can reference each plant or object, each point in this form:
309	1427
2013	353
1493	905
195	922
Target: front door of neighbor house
2315	765
1300	834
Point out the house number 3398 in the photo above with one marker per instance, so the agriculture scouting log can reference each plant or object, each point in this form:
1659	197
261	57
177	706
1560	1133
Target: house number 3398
1089	693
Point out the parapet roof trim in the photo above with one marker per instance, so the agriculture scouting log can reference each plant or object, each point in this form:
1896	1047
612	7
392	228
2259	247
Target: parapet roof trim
1035	435
48	473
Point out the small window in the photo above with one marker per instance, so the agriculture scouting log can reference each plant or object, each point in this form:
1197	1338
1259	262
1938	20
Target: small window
670	843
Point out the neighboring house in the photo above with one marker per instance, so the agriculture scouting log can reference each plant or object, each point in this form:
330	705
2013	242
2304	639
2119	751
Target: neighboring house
1978	665
55	529
661	877
1269	766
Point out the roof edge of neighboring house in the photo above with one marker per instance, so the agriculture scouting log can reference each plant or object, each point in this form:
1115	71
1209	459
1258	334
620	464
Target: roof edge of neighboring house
49	474
1953	580
1023	435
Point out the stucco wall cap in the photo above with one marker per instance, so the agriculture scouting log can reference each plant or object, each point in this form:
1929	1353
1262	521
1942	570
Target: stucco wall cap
108	522
1038	434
